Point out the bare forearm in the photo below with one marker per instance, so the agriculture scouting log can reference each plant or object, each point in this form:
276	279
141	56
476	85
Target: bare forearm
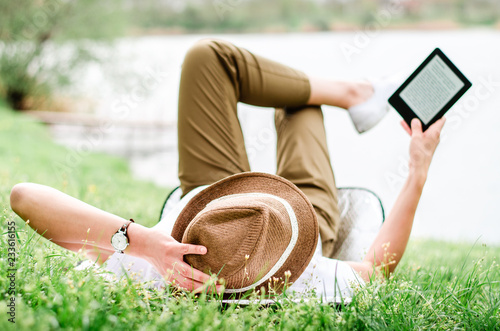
64	219
390	243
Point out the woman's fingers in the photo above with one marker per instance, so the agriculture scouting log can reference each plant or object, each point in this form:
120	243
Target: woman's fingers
192	284
209	288
192	273
181	274
186	284
185	270
416	127
180	269
197	287
406	127
438	126
192	249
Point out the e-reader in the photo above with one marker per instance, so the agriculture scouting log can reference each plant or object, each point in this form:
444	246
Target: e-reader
430	91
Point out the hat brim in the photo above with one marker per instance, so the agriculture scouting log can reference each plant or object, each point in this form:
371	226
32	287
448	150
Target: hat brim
249	182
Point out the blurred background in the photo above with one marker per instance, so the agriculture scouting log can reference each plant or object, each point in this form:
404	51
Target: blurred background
103	75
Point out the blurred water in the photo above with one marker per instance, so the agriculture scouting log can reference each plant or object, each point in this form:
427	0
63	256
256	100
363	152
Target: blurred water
461	200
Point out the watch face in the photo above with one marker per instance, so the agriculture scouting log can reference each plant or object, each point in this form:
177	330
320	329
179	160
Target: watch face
119	241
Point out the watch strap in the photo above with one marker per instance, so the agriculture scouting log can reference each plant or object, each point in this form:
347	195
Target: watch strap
125	227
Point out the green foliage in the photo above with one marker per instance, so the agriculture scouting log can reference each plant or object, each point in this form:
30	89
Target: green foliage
35	55
228	15
293	15
437	286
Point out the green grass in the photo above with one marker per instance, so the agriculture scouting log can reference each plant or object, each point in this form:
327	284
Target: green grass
437	286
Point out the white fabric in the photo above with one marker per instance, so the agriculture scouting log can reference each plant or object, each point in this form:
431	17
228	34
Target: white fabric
361	216
332	280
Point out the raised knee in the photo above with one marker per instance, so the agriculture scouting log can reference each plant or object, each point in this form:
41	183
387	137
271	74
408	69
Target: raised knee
205	50
18	196
201	50
205	43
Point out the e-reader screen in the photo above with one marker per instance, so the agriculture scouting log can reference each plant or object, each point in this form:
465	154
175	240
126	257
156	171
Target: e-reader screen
431	90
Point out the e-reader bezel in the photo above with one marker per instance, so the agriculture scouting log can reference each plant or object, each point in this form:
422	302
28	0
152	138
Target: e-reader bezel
407	113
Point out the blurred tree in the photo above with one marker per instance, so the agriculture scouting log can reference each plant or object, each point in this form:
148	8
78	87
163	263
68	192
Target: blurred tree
44	42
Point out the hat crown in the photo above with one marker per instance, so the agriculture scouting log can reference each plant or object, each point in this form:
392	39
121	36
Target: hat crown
246	235
284	197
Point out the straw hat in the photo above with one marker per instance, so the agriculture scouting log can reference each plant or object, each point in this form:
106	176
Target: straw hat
255	226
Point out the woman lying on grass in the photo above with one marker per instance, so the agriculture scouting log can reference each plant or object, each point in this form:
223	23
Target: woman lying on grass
248	228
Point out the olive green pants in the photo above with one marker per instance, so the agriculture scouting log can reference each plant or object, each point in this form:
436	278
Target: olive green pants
216	75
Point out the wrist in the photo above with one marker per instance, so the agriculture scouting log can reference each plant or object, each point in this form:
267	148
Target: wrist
138	238
417	177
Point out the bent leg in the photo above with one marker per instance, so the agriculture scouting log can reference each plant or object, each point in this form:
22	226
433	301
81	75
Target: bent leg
303	159
216	75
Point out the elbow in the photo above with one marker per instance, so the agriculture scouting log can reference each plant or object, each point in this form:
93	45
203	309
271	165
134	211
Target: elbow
18	197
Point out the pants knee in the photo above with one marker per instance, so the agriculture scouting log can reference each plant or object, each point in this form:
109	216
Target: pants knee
201	51
205	51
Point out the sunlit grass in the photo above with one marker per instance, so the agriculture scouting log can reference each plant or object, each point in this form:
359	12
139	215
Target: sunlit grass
437	286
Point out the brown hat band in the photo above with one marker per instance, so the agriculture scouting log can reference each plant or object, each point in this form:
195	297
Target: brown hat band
288	250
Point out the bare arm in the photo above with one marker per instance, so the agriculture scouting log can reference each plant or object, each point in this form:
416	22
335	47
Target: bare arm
74	224
390	244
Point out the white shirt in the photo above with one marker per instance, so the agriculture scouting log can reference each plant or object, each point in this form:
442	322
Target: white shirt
333	280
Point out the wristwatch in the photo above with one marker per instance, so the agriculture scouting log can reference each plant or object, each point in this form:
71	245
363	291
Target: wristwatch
119	240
